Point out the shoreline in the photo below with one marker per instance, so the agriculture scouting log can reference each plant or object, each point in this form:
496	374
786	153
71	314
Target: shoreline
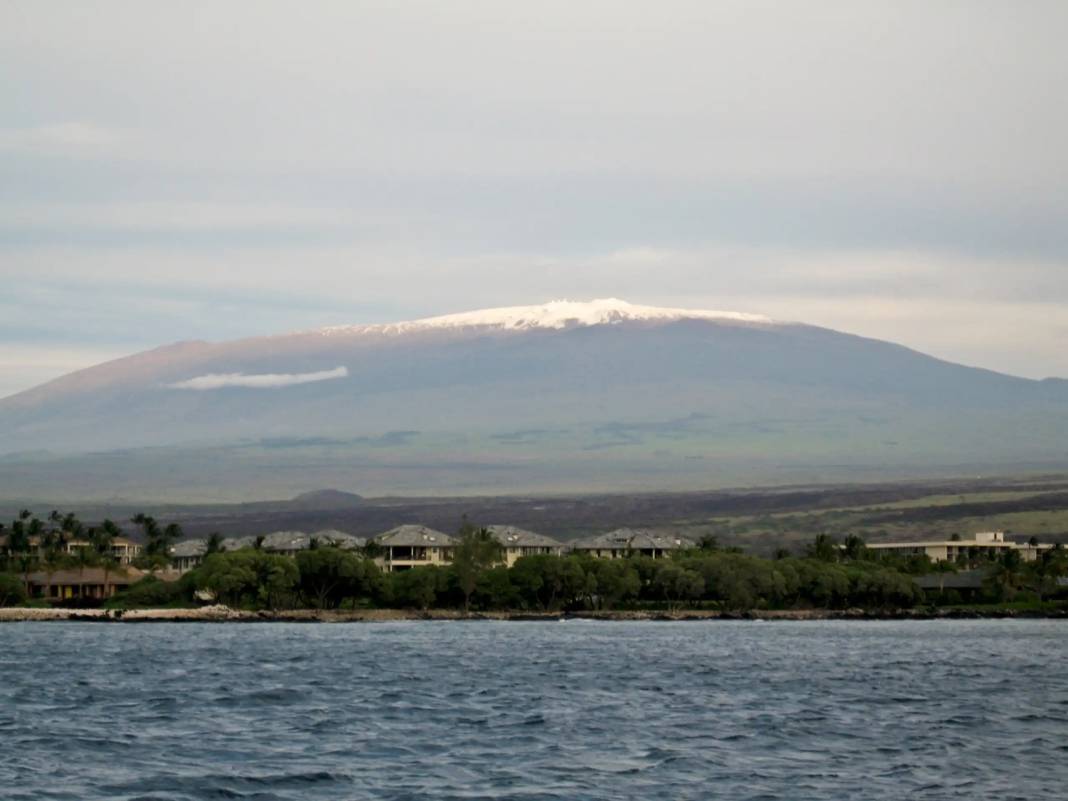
223	614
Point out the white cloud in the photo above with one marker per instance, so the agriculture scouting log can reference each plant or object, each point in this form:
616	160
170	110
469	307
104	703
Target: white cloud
257	380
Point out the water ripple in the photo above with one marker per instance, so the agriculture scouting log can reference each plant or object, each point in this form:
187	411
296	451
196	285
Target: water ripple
277	712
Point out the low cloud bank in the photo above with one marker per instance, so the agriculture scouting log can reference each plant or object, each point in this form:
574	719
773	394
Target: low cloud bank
257	380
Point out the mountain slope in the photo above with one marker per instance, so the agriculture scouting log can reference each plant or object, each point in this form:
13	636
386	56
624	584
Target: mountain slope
547	397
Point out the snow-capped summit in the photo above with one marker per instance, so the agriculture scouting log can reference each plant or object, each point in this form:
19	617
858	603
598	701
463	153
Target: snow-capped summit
556	314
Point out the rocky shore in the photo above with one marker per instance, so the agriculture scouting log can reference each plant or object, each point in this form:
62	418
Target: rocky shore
224	614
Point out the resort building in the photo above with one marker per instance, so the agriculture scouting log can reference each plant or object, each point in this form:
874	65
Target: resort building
518	542
190	554
968	584
91	583
123	550
290	543
988	543
409	546
631	542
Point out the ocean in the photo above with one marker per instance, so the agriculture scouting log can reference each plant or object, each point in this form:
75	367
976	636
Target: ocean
816	710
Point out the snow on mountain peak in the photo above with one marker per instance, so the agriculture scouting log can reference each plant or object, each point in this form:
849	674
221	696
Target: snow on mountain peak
556	314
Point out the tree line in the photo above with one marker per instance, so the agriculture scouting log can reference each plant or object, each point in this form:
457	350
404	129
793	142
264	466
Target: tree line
828	574
32	543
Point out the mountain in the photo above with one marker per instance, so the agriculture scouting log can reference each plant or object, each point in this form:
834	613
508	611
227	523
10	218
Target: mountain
559	397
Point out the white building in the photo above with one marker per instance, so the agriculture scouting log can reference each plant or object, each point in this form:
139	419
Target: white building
518	542
631	542
408	546
992	543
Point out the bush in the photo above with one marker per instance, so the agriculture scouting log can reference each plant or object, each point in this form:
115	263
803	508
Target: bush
12	590
151	592
249	578
419	587
331	576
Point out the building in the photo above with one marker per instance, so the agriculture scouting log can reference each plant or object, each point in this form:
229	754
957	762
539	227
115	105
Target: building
190	554
91	583
290	543
518	542
968	584
984	543
408	546
631	542
123	550
330	537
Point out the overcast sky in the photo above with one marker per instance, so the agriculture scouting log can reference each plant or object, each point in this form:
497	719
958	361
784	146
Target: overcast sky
215	170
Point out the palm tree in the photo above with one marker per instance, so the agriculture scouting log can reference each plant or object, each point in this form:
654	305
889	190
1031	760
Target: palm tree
171	534
854	547
20	549
1007	575
214	544
823	548
84	557
102	540
158	540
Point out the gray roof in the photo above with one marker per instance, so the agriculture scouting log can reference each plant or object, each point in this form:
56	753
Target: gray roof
338	539
510	536
189	548
286	541
407	536
625	539
291	541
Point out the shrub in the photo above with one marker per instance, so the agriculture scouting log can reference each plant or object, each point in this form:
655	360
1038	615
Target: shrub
12	590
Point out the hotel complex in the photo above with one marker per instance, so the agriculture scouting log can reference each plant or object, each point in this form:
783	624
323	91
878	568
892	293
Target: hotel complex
989	543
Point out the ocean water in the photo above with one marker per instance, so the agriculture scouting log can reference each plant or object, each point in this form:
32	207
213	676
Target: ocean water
573	710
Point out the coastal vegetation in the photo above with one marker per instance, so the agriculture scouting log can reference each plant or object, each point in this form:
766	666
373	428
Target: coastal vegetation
826	574
705	578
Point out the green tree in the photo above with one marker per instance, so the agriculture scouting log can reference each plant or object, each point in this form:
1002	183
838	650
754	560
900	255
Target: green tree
53	541
158	541
417	587
677	584
475	553
495	589
214	543
153	593
102	539
330	576
20	551
854	548
617	580
708	542
249	577
84	556
551	582
823	548
12	590
1007	576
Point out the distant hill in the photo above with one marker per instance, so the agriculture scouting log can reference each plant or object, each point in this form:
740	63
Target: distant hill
325	499
562	397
